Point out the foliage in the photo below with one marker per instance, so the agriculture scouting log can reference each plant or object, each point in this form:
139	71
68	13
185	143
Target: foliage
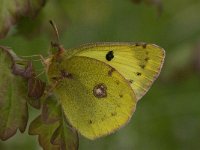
166	118
12	10
50	126
52	129
13	105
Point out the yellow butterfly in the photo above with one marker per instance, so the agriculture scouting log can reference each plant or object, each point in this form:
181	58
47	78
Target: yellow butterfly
98	85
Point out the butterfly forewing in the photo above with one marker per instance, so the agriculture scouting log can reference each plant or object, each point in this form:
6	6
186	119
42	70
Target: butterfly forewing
140	64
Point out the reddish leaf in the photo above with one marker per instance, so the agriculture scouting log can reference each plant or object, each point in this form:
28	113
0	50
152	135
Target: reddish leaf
36	87
26	72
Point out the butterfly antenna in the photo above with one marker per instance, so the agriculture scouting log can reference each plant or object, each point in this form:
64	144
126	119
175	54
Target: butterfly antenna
55	30
56	44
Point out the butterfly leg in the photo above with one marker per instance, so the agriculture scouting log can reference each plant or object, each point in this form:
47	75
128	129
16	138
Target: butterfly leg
51	87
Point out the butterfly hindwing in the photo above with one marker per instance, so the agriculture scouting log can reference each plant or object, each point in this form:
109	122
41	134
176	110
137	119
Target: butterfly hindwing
96	98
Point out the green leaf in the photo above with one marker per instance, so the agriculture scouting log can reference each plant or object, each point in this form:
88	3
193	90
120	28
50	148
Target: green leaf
51	110
45	131
53	131
13	106
12	10
66	137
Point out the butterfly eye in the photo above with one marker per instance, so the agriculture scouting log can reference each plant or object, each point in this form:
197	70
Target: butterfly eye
66	74
109	56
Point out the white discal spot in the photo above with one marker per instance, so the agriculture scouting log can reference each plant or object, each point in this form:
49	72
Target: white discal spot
100	90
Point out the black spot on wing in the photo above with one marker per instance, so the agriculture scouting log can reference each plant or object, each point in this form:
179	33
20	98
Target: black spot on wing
90	122
109	56
142	66
144	45
130	81
137	44
117	82
113	113
138	73
102	119
111	71
56	78
146	59
120	95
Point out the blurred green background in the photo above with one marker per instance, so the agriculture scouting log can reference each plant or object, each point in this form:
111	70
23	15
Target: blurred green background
168	116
